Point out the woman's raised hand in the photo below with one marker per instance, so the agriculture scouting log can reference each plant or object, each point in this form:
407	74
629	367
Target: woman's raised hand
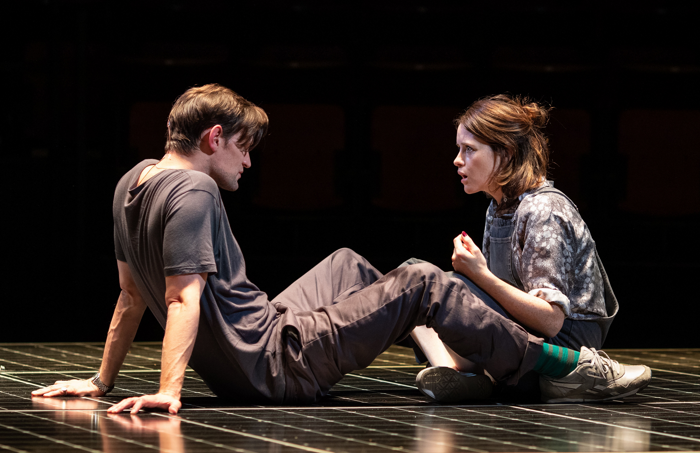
467	259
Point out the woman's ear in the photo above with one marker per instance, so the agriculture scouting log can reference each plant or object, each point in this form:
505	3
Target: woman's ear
502	157
507	156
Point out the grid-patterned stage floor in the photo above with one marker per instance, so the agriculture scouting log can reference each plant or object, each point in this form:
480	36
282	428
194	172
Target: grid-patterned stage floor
374	409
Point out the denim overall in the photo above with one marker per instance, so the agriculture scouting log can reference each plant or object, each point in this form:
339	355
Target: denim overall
574	333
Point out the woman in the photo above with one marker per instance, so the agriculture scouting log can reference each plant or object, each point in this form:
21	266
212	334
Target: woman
538	261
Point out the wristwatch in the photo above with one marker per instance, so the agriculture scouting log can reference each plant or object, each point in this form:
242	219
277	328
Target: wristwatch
101	385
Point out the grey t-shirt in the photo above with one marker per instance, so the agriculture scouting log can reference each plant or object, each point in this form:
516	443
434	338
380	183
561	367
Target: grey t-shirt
175	224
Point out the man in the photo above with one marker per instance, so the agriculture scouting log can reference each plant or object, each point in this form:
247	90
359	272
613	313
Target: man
176	254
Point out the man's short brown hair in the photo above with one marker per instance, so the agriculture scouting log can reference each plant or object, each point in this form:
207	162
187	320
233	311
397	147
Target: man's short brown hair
200	108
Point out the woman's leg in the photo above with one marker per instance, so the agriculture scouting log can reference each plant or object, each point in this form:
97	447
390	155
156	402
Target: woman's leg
574	334
437	353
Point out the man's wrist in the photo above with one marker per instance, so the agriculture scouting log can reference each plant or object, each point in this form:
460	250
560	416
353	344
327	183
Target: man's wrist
172	393
101	385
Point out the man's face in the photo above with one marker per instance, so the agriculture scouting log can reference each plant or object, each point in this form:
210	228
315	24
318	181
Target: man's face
229	163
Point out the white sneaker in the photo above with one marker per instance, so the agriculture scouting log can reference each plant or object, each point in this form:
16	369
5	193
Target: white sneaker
596	378
447	385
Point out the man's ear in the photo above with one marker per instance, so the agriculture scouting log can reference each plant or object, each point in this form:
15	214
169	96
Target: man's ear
214	138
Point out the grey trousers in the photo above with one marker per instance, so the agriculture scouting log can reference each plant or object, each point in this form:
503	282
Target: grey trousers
343	313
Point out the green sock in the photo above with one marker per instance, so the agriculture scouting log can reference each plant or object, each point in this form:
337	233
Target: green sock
556	361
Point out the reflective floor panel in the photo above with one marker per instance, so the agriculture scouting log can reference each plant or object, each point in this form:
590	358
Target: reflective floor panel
375	409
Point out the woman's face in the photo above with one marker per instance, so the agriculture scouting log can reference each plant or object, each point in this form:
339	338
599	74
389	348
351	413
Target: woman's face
476	163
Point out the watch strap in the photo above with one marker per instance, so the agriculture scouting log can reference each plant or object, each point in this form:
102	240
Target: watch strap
101	385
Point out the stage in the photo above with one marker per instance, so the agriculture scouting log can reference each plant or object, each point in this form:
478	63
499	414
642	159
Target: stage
375	409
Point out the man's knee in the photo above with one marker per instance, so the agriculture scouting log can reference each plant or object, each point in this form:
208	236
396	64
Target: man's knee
346	254
426	270
348	257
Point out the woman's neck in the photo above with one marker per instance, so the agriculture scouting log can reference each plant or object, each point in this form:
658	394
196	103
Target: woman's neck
497	195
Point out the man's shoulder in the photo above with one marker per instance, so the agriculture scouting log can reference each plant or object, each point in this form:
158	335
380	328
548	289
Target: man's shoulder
202	181
191	190
171	187
127	180
192	178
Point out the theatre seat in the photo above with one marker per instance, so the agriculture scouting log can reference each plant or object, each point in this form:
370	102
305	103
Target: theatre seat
416	146
663	161
297	159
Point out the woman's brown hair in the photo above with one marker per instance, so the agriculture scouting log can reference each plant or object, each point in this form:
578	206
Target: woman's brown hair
513	128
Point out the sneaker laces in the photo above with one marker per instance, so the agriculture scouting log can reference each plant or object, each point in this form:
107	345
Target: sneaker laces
602	363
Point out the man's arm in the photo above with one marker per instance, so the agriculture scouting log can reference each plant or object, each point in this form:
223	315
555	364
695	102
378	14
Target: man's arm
182	296
125	321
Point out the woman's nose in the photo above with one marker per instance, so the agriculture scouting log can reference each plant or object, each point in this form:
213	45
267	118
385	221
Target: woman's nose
458	160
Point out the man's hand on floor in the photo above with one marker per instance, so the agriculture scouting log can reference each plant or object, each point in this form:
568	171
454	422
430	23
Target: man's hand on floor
75	387
161	401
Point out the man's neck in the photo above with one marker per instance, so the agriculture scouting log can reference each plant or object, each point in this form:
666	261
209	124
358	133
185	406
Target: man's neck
174	161
195	161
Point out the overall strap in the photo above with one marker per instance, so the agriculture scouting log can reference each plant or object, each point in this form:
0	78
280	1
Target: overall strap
550	189
515	273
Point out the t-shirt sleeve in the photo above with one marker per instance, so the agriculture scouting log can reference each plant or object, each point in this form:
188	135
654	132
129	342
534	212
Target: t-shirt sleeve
118	251
191	230
544	250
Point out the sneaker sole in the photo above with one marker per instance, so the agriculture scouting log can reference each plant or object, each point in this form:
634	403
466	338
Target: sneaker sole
594	400
446	385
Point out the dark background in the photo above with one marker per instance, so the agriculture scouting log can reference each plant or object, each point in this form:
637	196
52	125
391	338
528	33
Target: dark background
361	96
